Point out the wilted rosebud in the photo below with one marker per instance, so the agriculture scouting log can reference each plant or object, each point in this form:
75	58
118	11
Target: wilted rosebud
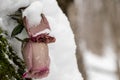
35	51
37	59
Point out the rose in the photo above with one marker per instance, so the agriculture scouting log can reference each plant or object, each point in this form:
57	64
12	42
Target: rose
37	59
35	50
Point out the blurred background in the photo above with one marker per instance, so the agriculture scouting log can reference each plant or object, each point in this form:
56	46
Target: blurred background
96	26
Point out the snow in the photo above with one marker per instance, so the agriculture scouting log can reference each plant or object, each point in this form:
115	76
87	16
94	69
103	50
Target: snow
104	67
33	12
62	52
33	15
1	23
44	31
101	76
100	68
10	6
106	60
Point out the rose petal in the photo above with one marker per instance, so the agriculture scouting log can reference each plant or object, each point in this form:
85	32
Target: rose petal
39	67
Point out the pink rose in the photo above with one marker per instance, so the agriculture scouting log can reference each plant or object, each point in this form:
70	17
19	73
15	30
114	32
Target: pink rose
35	50
37	60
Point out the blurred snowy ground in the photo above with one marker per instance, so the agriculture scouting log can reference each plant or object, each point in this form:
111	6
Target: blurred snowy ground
100	68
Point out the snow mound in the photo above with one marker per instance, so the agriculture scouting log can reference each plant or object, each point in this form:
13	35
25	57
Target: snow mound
33	13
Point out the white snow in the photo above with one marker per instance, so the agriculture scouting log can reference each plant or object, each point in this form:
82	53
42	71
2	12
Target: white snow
44	31
104	62
100	68
1	23
62	52
33	13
